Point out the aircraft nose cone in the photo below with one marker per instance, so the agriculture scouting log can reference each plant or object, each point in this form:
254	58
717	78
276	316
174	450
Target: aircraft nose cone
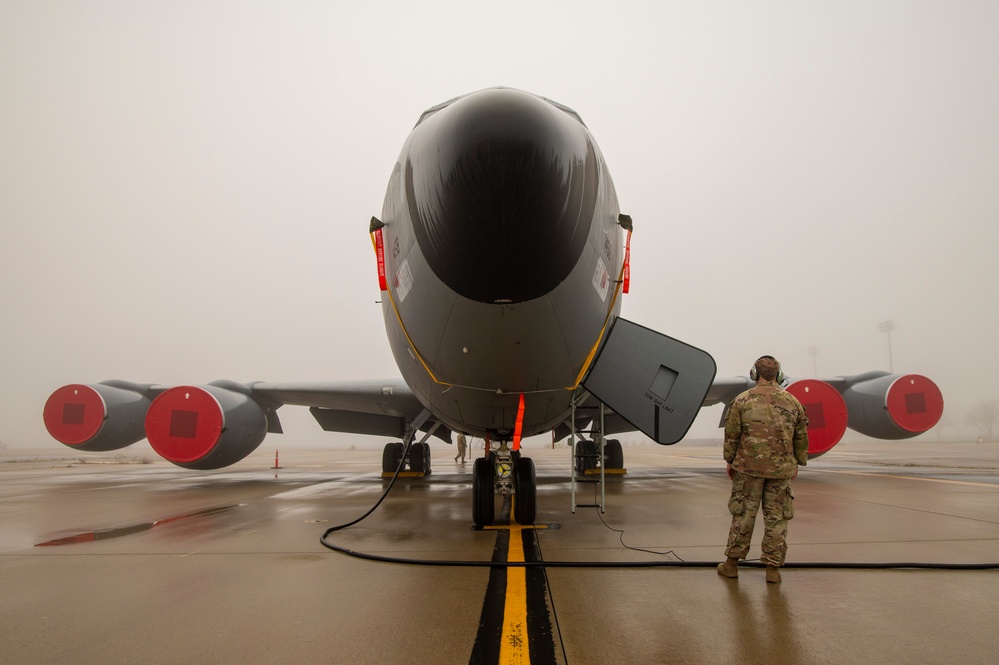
501	187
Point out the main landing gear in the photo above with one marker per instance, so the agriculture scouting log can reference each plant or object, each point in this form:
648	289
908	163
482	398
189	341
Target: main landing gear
588	455
418	461
504	472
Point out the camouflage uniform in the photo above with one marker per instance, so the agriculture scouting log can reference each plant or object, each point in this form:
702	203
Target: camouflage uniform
766	439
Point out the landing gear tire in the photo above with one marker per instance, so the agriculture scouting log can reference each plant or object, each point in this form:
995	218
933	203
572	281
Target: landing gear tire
419	458
525	485
483	506
391	454
586	455
613	454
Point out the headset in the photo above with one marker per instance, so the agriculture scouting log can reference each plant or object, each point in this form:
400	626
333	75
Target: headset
781	380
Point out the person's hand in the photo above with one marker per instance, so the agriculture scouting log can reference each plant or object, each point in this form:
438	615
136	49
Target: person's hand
795	472
731	472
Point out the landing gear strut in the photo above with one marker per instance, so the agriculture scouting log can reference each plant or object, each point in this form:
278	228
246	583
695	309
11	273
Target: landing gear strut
504	472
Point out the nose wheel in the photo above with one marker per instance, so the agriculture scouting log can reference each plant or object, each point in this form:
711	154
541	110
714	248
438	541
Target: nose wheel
483	506
504	472
525	498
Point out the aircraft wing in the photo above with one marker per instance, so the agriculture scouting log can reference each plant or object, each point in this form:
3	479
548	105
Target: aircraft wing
219	423
726	389
380	408
877	404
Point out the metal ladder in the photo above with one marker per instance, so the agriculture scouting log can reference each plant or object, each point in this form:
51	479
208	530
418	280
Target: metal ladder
597	436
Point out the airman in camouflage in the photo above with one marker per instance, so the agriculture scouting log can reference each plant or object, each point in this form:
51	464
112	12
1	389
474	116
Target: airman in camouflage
766	439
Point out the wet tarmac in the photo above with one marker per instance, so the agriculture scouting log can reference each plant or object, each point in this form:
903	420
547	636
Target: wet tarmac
149	563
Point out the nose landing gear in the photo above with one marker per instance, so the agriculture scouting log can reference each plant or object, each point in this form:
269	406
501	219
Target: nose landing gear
504	472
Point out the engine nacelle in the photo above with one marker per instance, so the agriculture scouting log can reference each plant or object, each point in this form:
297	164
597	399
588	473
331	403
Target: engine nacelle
97	417
827	414
893	406
205	427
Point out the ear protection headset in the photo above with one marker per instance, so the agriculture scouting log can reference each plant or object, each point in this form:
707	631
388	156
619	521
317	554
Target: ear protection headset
754	375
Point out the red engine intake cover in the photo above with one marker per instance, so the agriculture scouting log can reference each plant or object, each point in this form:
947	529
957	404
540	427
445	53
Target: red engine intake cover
74	414
827	414
914	403
184	424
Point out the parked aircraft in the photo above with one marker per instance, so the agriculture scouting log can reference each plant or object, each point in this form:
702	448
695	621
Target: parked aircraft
501	256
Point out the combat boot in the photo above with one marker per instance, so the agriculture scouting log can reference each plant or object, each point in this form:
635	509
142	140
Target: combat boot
773	575
730	568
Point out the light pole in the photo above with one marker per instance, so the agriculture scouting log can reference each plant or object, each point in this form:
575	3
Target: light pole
887	327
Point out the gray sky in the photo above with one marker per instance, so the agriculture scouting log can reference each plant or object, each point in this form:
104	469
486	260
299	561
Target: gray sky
185	187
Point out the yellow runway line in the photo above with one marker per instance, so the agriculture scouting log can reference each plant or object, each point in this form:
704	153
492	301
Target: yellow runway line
513	642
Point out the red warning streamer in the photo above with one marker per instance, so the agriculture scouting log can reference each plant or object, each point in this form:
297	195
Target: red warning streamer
520	423
380	253
627	265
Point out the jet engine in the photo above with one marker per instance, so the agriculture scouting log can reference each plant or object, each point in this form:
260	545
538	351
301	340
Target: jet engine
205	427
97	417
892	406
827	414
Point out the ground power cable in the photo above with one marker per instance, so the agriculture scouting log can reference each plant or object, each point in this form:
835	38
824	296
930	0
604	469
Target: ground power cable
620	533
828	565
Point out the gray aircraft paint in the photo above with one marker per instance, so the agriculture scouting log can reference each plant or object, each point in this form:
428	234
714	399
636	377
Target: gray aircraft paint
484	355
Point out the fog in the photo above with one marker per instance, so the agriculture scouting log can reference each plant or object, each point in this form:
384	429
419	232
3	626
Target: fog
185	187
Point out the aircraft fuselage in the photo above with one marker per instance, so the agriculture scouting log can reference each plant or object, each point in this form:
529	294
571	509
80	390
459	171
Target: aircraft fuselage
503	254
